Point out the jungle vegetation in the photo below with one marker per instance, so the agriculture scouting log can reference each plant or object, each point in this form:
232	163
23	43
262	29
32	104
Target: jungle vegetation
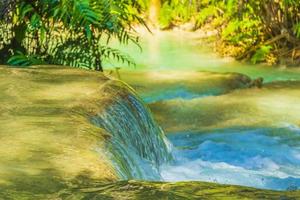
78	32
66	32
255	30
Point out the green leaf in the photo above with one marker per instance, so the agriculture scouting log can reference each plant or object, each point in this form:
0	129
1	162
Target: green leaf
20	59
25	10
297	30
261	54
88	32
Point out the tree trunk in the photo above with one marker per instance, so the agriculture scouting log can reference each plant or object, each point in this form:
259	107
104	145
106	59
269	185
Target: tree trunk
98	64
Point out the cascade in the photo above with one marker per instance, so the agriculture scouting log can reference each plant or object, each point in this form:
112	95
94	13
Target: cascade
137	145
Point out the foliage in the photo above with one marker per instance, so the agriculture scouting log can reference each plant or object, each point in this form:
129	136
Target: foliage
205	14
261	54
68	32
19	59
297	30
263	28
247	25
176	12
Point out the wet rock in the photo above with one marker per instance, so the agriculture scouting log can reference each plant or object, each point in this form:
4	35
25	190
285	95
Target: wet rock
257	83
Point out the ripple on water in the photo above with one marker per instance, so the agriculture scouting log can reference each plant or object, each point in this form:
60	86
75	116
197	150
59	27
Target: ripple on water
263	158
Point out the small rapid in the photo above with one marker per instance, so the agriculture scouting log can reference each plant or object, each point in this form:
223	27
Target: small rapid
138	146
267	158
191	90
261	157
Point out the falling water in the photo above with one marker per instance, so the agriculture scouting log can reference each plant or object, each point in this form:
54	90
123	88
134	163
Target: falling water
138	146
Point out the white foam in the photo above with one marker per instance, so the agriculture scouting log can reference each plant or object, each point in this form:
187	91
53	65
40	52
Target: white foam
252	158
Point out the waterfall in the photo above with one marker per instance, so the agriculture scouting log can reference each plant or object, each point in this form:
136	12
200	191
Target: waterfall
137	146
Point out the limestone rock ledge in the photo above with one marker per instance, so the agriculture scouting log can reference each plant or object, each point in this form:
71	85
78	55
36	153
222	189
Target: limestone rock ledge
47	140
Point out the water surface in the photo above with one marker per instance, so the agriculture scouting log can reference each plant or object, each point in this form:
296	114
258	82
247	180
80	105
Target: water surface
164	51
264	152
261	158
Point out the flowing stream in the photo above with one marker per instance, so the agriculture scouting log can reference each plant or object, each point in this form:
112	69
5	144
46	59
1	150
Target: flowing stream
184	51
262	158
263	152
138	146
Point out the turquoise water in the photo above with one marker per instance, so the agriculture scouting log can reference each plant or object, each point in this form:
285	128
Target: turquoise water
161	51
179	92
263	157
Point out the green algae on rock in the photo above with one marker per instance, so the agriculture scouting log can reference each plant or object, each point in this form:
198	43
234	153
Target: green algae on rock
168	84
139	190
275	104
45	136
52	149
48	140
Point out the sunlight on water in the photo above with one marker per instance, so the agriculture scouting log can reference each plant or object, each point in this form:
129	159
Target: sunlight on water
138	145
173	74
184	51
178	92
261	158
